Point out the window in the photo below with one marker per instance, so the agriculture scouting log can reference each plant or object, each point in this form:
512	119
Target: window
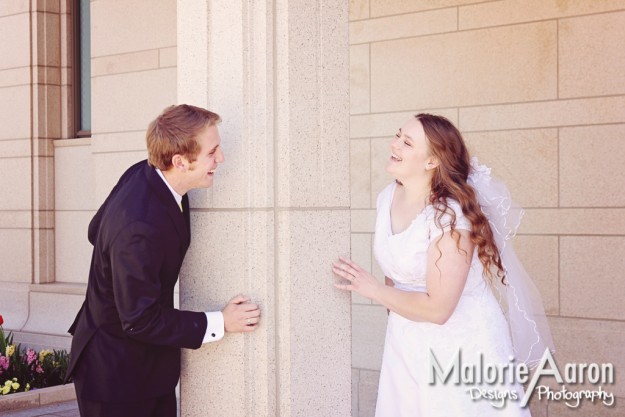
82	67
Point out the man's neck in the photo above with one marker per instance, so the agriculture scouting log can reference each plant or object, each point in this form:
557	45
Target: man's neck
174	181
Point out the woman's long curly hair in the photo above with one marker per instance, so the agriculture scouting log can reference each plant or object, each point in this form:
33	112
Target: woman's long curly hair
450	181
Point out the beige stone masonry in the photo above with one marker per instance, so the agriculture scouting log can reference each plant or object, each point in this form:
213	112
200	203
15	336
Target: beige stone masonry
550	113
590	274
591	161
460	75
574	221
497	13
392	7
403	26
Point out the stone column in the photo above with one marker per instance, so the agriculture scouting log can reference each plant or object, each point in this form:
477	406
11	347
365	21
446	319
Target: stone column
278	214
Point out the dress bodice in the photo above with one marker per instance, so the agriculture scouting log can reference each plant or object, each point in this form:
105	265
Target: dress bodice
403	256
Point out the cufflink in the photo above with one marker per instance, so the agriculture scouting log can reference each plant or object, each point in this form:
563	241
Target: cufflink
213	334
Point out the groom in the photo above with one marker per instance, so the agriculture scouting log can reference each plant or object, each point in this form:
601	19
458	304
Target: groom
125	356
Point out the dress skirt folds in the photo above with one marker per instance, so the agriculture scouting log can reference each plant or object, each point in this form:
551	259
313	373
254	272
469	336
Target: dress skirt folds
417	353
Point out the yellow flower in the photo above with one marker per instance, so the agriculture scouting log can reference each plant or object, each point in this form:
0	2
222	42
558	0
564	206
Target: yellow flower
27	388
15	386
7	383
43	354
10	350
5	390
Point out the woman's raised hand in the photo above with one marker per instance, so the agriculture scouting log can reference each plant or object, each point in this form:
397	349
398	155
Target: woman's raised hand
360	281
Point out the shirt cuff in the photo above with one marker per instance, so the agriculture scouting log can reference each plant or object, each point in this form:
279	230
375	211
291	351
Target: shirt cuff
214	326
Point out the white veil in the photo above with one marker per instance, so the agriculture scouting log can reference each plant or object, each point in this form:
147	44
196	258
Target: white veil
519	298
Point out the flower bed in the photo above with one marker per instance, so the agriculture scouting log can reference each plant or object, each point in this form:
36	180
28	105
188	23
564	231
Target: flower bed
23	370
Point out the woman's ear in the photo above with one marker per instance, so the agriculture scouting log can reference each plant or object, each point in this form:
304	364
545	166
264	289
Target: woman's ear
431	163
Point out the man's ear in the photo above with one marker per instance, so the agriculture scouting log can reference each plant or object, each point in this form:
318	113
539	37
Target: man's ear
179	162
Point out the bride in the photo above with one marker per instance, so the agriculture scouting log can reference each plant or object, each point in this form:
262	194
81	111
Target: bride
454	288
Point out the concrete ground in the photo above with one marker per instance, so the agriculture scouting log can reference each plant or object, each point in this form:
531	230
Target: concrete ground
65	409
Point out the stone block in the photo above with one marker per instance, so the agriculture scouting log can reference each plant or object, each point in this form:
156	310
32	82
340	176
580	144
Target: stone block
359	79
380	155
460	74
48	48
310	301
18	219
13	298
526	160
539	255
386	124
53	395
72	248
403	26
355	383
590	63
589	274
47	112
13	7
14	76
15	35
361	254
19	148
574	112
231	253
358	9
16	111
368	392
15	181
580	341
138	97
74	180
368	332
576	221
591	159
517	11
363	221
360	173
121	27
128	62
108	167
167	57
52	313
119	142
389	7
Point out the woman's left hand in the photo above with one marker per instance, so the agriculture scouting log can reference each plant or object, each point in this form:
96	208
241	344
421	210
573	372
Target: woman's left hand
360	281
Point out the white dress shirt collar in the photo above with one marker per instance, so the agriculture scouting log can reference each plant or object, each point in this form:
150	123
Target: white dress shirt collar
177	196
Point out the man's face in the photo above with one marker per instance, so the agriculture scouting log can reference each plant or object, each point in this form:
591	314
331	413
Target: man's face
201	171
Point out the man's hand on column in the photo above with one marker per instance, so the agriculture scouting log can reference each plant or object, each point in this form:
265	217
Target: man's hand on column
240	315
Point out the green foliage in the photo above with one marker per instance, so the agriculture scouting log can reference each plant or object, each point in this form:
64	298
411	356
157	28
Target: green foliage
26	369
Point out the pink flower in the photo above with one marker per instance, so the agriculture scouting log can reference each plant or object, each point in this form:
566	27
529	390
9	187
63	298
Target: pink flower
39	369
4	362
31	356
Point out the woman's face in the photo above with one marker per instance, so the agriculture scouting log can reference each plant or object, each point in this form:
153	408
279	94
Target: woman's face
409	152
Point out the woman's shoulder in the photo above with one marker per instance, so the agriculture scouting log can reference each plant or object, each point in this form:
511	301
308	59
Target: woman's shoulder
441	215
449	207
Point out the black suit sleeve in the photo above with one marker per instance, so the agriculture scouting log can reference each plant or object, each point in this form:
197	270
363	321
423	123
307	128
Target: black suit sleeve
137	255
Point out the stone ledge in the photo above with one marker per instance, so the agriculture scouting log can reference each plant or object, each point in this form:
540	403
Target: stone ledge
37	398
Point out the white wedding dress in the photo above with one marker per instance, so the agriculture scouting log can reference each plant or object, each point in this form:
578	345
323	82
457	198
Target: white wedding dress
476	326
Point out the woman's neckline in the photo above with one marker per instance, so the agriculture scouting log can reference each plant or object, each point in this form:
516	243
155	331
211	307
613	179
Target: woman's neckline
390	218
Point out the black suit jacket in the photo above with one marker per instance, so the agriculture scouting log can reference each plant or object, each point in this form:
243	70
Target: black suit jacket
127	334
